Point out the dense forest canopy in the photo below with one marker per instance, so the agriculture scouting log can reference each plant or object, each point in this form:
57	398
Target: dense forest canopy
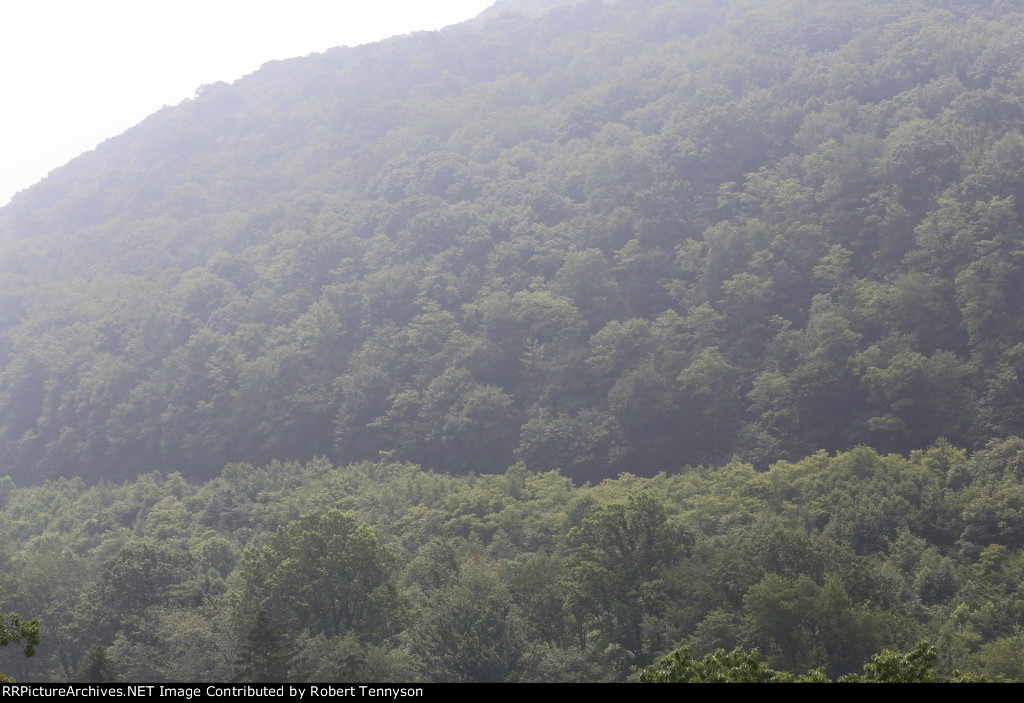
605	237
384	571
588	340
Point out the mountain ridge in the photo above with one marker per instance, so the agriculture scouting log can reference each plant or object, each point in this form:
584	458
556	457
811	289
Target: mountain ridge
626	236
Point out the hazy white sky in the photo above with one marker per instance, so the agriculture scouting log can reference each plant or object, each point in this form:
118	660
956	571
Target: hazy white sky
73	73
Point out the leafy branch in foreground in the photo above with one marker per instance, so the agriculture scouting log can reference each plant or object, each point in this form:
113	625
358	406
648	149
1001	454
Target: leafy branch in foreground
16	630
739	666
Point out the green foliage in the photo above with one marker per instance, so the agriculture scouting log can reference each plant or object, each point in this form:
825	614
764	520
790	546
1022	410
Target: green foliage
325	573
97	667
266	654
737	666
584	238
916	666
741	666
15	630
619	557
754	259
143	574
471	632
523	576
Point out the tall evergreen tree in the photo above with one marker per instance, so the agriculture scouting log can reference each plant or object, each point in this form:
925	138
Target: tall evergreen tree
97	667
266	655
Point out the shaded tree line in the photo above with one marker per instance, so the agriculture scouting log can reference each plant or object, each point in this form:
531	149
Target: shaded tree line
385	571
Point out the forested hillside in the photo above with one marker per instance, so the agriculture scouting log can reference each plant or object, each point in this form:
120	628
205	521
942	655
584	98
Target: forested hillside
625	236
534	349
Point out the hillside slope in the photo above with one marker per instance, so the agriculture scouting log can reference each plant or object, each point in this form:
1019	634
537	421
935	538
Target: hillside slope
623	236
